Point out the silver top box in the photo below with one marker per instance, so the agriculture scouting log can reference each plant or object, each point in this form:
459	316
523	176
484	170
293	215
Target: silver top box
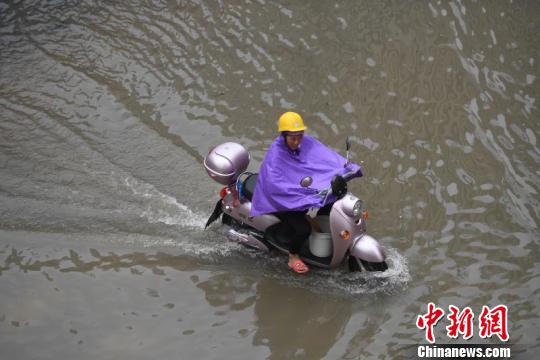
225	162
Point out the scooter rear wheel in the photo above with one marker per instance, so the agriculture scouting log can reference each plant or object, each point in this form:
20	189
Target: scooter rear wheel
227	220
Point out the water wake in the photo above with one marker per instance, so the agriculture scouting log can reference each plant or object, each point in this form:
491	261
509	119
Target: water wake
162	208
342	281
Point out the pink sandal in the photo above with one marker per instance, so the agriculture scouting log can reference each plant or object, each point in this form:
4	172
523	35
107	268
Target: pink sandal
299	267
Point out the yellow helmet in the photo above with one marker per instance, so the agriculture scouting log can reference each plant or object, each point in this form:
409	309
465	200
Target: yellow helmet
291	121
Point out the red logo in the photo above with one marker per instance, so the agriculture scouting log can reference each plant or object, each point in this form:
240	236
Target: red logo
492	321
460	323
429	320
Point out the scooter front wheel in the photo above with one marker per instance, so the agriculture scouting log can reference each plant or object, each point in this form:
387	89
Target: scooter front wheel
375	266
357	264
354	264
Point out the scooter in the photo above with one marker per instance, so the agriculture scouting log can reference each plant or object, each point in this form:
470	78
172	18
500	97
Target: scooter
335	238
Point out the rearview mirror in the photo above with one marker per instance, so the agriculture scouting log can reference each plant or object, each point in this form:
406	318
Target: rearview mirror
348	143
306	182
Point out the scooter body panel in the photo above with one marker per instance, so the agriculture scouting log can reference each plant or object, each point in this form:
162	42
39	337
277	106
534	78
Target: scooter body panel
365	247
340	222
241	211
247	239
358	243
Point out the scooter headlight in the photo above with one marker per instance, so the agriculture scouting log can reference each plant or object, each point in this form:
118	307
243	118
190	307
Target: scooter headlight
353	207
358	209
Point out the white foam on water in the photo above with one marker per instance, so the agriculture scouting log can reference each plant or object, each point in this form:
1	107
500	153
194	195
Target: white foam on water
207	250
164	208
341	280
211	246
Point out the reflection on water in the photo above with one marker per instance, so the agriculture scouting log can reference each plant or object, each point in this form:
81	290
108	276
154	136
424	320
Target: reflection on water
108	109
288	319
137	263
224	291
291	322
228	290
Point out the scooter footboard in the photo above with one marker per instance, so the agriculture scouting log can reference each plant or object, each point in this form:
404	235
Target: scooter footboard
367	248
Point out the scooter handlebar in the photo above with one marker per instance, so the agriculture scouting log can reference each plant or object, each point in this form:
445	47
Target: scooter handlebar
327	192
350	175
347	177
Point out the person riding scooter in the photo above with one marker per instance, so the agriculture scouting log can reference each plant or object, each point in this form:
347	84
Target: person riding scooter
291	157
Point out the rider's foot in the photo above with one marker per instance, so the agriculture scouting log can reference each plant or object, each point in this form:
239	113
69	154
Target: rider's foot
297	264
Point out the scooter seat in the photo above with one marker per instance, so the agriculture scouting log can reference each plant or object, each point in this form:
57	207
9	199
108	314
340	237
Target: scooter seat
249	186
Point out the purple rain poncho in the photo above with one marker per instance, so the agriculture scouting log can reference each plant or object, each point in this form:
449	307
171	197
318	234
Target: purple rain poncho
278	184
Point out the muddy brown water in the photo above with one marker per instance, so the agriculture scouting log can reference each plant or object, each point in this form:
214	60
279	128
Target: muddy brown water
108	108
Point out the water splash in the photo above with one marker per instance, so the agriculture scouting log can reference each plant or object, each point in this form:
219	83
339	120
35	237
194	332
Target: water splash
341	281
162	208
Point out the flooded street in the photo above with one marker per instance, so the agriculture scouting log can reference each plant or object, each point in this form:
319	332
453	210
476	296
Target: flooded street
107	110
